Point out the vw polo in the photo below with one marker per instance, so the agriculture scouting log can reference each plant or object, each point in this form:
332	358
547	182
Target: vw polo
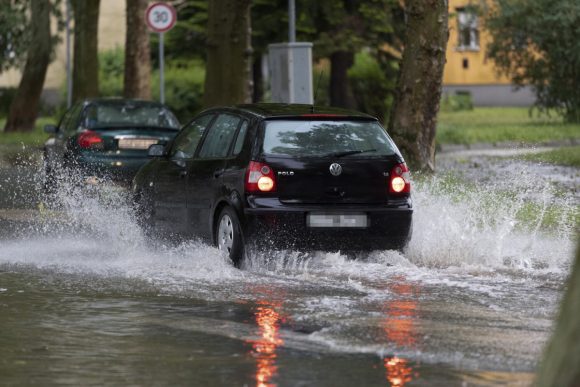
280	176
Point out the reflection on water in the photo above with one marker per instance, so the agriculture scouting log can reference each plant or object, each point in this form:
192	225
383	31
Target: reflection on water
399	327
264	349
398	371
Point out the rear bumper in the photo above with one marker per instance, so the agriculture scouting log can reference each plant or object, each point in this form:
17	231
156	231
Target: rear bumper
285	227
114	167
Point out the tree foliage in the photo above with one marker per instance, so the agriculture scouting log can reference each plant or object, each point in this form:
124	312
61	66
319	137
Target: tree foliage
14	37
15	30
537	43
348	25
187	40
339	29
373	84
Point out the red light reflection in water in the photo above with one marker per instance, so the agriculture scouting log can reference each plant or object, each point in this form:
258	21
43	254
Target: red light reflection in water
264	349
398	371
399	327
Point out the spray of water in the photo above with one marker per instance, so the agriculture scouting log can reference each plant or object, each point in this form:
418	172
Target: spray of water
457	227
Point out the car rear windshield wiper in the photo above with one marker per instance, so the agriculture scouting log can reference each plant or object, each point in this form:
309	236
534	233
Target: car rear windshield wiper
348	153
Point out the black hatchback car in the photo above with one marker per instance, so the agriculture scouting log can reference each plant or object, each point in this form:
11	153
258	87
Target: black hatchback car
279	176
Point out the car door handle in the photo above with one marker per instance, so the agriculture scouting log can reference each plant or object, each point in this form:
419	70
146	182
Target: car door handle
218	173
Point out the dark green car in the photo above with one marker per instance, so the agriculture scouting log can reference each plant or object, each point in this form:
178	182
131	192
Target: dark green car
106	138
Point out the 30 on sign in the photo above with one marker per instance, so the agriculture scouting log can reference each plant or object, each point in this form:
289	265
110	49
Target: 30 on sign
160	17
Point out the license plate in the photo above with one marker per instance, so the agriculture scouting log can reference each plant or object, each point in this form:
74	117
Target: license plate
337	220
136	143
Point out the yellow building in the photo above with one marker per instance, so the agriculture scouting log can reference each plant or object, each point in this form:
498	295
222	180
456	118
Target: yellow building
468	70
112	25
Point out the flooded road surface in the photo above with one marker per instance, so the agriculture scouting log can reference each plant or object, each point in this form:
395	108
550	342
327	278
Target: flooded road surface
85	299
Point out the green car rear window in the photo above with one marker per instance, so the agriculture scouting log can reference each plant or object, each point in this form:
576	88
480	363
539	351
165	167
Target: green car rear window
295	138
115	115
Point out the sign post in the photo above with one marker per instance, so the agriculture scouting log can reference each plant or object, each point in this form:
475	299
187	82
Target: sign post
160	18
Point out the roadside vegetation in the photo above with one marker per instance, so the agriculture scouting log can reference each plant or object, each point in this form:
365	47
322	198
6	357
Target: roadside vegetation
34	138
497	125
567	156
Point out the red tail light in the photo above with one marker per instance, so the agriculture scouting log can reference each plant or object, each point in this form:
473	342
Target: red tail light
313	115
400	180
90	140
260	178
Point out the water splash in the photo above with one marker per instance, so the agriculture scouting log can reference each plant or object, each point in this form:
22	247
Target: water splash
458	227
492	226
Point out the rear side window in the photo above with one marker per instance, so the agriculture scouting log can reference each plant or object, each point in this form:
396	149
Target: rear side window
220	136
240	139
327	138
64	122
73	122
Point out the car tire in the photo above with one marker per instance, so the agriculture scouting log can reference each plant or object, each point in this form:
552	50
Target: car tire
228	235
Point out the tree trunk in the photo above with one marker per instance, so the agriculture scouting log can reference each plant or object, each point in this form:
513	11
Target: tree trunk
229	53
562	356
340	91
85	57
137	52
25	105
414	115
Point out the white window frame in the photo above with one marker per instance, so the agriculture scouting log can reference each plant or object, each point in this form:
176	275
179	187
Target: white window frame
467	19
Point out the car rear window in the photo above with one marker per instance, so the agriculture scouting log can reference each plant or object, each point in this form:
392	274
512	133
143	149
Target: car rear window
114	115
327	138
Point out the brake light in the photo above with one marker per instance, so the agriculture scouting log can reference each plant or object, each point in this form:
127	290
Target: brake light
260	178
400	179
90	140
315	115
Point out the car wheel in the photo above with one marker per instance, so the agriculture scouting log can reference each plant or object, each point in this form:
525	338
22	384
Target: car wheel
228	235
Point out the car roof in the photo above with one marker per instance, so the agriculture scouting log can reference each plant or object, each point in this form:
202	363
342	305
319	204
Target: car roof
281	110
122	101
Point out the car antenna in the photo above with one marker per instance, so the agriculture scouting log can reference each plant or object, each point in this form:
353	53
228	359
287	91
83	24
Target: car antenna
316	91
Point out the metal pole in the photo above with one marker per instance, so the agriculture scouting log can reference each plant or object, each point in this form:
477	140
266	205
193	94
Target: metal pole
161	69
69	81
291	21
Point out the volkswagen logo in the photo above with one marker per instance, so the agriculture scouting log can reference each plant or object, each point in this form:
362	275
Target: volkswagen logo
335	169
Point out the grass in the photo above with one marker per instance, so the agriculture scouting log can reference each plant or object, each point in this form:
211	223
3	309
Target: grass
35	138
568	156
495	125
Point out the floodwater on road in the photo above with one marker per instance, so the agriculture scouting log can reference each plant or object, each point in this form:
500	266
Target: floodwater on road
86	299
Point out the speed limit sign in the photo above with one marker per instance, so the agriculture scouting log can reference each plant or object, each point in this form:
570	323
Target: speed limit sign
160	17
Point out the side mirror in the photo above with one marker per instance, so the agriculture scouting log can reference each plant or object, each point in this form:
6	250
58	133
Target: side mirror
52	129
156	150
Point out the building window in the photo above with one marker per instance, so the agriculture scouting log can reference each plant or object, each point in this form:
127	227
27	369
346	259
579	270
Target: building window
467	28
